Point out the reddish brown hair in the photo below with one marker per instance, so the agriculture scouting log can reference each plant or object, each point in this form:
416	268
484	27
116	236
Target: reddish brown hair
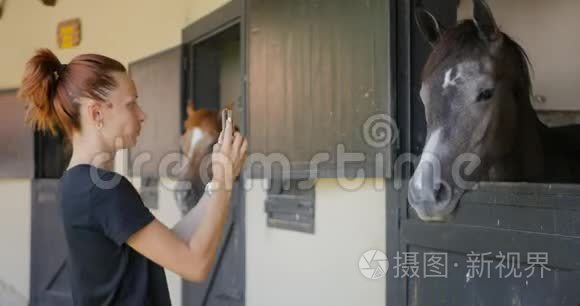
52	89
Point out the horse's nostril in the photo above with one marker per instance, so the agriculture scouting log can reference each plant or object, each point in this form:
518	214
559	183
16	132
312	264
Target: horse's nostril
443	193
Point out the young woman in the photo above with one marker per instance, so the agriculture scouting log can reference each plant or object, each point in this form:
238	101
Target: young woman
116	246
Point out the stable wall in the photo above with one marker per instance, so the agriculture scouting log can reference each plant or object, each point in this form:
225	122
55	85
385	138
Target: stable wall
292	268
125	30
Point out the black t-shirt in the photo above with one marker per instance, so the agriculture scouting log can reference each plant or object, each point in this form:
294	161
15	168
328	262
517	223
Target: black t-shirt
100	210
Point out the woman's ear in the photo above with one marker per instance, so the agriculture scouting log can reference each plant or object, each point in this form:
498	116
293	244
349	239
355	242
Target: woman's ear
95	112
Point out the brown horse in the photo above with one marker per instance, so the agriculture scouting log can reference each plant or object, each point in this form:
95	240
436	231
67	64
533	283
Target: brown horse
476	90
202	129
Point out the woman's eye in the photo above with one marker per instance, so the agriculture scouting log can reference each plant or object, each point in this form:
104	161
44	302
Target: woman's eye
485	95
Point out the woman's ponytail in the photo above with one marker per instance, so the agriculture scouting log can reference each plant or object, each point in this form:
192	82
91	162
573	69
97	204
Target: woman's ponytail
38	89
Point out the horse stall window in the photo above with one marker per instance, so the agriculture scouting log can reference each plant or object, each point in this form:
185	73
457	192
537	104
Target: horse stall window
213	82
539	26
215	71
517	215
16	154
319	88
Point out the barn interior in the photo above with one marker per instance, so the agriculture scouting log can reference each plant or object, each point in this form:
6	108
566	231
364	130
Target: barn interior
260	262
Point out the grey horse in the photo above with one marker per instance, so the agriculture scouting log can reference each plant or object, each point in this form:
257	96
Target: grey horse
476	90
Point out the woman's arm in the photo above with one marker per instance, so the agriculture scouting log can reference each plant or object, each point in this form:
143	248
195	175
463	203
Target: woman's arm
190	222
190	249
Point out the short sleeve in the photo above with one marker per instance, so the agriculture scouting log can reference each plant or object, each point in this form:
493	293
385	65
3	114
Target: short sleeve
119	211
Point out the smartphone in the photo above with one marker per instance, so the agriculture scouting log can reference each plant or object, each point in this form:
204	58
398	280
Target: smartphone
226	113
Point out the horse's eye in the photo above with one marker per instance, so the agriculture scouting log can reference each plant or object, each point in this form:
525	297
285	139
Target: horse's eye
485	95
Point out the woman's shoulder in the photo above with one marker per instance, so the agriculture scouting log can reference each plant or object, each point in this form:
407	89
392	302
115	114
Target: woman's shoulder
89	175
87	181
85	188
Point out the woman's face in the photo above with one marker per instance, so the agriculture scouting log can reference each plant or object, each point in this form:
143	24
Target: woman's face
122	115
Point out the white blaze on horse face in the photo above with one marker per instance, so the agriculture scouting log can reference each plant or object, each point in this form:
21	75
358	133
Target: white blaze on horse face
196	136
469	78
464	71
429	158
452	81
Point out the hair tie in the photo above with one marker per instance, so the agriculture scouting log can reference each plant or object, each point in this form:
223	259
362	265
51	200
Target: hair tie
58	72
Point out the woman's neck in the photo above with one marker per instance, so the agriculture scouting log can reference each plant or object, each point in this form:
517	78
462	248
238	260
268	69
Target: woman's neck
91	151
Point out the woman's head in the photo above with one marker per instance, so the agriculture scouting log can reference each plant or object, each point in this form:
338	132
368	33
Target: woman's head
91	97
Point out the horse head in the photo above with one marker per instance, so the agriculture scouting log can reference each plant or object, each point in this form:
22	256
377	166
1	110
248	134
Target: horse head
476	93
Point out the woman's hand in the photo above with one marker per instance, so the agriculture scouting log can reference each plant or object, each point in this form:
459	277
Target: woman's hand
228	156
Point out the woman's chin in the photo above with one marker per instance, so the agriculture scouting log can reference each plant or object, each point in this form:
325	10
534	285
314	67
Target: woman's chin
128	143
132	143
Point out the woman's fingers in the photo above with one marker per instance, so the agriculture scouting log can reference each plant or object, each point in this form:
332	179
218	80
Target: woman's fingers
244	148
227	137
233	146
241	157
237	145
243	151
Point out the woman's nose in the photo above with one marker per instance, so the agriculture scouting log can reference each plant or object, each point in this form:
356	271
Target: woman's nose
142	115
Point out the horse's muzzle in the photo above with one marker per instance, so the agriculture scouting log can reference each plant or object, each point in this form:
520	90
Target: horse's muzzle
432	198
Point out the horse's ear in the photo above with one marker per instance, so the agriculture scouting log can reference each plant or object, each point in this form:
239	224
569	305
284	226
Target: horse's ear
428	24
231	105
485	21
190	110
